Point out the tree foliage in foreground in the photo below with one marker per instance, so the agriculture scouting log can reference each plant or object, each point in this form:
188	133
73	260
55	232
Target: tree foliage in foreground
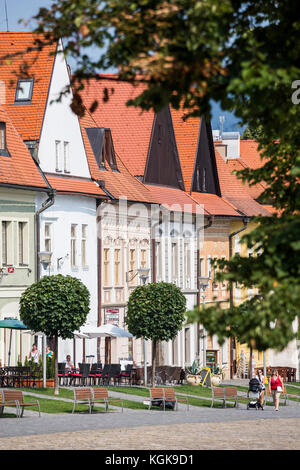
242	54
156	312
57	306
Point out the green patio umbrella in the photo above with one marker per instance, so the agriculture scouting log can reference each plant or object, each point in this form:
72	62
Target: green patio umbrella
12	324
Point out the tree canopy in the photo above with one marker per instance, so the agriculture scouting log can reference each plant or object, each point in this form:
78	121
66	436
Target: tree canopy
156	311
241	54
56	305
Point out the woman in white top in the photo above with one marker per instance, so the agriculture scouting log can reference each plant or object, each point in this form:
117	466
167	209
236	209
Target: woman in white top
35	355
261	378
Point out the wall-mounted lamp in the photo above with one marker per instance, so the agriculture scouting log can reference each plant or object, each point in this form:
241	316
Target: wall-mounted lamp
45	258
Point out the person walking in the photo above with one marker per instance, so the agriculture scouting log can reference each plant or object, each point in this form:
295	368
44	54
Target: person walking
276	387
261	378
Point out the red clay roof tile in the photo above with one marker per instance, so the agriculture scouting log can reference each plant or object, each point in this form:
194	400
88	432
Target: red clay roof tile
36	64
19	168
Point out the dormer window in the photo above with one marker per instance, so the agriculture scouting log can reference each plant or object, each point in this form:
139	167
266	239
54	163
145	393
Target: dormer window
103	148
3	149
24	90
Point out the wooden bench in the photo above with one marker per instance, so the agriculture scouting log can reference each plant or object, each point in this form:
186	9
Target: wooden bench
9	397
231	392
223	394
100	395
4	404
217	394
161	396
83	396
170	396
157	397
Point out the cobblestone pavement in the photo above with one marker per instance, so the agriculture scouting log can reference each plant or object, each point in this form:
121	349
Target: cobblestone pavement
246	434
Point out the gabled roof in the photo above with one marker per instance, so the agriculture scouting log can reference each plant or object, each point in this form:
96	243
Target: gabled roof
130	127
18	168
117	183
186	134
33	62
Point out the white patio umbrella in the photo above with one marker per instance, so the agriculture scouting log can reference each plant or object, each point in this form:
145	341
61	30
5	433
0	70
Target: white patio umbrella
108	330
103	331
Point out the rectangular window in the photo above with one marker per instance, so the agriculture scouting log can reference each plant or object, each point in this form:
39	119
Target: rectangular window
73	245
5	243
3	150
2	136
174	261
66	158
23	243
117	267
24	90
143	258
48	243
83	245
132	265
58	166
187	265
106	266
158	252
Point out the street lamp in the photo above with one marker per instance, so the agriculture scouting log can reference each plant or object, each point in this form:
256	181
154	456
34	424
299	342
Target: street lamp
203	285
45	259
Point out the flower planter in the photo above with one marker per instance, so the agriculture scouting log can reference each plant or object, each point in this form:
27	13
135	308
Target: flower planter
216	380
50	382
193	379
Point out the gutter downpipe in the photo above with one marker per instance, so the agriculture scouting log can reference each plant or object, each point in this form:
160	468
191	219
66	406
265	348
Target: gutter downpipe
45	205
246	220
209	224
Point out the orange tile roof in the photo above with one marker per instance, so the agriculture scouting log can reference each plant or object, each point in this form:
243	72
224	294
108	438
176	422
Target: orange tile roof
215	205
186	135
130	127
36	64
74	185
19	168
234	191
250	154
174	199
119	183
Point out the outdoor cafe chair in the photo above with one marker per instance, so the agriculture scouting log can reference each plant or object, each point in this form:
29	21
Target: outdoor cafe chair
82	375
62	374
127	374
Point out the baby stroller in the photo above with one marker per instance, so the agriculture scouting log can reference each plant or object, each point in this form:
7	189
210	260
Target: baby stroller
253	394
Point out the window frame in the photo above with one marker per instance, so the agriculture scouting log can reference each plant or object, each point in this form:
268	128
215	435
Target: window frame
26	100
3	151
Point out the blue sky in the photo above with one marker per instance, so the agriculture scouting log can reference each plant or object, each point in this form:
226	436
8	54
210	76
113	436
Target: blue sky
20	9
26	9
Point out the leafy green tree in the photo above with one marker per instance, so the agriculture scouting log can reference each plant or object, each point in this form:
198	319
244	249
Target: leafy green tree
57	306
156	312
243	55
251	133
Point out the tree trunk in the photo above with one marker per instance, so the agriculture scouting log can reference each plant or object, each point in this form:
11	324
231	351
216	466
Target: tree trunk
250	364
154	343
56	388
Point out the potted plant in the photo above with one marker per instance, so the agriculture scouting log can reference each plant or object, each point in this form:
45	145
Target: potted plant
193	374
216	375
50	371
